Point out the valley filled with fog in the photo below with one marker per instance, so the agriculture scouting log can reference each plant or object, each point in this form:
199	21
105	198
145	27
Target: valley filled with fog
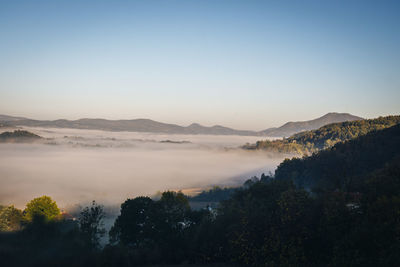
77	166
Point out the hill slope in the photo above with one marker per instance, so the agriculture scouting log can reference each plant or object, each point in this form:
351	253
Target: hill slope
4	118
295	127
326	136
345	165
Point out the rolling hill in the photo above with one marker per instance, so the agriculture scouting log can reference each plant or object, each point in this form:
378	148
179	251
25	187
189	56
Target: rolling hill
291	128
18	136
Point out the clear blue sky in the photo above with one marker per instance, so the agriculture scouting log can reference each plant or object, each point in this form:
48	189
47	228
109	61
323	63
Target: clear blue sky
244	64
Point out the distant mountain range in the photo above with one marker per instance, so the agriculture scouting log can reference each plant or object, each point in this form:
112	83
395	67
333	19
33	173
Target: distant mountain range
146	125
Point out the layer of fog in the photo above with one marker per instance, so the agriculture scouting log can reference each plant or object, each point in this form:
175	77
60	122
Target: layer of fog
76	166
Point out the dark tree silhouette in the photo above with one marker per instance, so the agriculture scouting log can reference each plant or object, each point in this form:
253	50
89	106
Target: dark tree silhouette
91	224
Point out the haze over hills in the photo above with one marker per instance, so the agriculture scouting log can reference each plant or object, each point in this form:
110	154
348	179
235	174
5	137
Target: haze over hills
147	125
5	118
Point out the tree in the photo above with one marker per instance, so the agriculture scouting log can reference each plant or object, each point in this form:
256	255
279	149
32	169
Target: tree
156	230
144	222
42	206
175	207
135	225
10	218
91	224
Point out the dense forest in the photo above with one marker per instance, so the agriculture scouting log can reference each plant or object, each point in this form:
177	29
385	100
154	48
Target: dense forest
215	194
338	207
308	142
345	166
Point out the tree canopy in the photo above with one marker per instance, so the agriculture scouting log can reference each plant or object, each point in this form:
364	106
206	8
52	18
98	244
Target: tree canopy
42	206
10	218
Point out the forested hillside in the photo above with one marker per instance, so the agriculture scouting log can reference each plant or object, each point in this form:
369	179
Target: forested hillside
312	141
344	166
18	136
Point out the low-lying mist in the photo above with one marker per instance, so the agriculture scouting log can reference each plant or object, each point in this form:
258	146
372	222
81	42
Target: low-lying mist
76	166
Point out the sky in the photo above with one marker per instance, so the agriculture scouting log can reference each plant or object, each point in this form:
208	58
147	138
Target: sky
242	64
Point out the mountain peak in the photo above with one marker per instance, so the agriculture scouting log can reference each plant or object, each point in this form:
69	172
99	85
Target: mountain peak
332	114
195	126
